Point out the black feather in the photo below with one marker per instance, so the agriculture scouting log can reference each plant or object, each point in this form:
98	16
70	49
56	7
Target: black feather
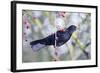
62	37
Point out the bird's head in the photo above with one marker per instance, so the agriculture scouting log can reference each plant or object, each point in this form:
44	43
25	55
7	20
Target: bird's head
72	27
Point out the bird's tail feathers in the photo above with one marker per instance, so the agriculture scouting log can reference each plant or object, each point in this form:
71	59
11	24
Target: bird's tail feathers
36	45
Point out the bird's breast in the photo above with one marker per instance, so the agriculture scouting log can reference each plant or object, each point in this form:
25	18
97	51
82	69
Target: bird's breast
62	38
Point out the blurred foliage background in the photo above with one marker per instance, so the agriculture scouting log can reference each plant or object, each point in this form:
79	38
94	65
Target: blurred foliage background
39	24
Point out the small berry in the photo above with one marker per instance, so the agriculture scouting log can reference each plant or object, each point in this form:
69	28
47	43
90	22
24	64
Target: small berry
26	40
24	33
27	27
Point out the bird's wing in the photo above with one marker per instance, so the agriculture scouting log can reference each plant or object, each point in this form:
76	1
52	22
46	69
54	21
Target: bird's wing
39	44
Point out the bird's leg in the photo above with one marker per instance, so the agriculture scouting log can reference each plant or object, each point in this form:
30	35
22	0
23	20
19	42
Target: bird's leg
56	57
54	54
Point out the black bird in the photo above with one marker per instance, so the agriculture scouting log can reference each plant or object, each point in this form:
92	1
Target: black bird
61	37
